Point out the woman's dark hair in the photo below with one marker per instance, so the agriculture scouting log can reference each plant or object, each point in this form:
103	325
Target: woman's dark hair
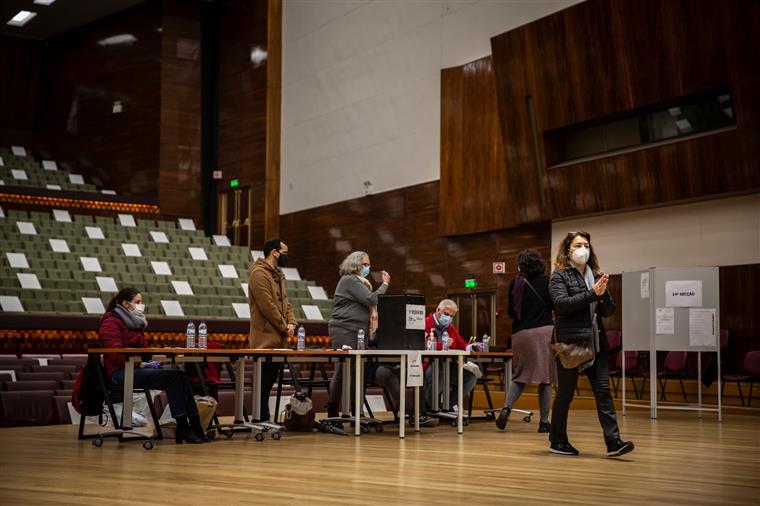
124	294
529	262
562	261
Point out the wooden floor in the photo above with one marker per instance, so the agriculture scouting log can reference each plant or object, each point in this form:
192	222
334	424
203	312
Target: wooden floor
678	460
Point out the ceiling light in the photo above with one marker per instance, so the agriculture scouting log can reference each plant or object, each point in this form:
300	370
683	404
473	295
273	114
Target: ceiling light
21	18
43	2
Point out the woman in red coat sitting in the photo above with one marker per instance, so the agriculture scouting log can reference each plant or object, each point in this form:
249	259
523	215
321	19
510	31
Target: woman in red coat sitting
122	326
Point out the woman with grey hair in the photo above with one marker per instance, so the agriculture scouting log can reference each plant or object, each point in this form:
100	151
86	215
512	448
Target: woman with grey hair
355	309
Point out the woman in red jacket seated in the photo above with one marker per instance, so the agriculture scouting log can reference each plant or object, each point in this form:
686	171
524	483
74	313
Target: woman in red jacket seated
122	326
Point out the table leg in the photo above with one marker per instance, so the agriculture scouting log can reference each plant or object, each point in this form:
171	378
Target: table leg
416	410
257	388
402	397
460	391
129	387
346	387
507	378
358	395
239	388
446	384
435	404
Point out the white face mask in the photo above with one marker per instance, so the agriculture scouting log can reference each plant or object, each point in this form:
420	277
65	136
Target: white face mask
140	308
581	255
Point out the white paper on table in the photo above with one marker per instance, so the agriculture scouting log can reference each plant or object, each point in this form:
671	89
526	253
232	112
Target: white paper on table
161	268
312	312
76	179
186	224
683	293
42	361
28	281
256	254
59	245
414	372
94	232
18	150
228	271
222	240
56	187
159	237
26	227
106	284
17	260
182	288
702	327
198	253
317	293
93	305
291	273
665	321
644	285
244	286
11	303
19	175
108	192
90	264
131	249
242	310
127	220
61	215
49	165
172	308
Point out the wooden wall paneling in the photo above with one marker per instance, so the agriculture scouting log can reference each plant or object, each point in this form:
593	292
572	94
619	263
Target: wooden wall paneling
249	107
592	61
179	184
80	80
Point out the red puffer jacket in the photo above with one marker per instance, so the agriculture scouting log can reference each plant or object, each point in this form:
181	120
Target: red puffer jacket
113	333
457	343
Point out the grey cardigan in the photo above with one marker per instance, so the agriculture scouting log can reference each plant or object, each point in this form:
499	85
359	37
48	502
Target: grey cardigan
352	302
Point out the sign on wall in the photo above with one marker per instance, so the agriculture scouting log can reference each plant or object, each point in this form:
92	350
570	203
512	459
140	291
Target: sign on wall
415	317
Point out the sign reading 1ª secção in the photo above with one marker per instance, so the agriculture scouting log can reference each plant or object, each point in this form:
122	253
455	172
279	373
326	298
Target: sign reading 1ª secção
683	293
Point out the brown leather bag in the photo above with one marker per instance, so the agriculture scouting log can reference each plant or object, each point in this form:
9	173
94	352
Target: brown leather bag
299	414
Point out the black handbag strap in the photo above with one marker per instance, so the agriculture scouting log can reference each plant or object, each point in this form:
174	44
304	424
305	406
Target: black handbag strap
543	302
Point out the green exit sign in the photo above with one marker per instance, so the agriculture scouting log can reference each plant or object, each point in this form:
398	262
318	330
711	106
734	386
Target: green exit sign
234	183
470	283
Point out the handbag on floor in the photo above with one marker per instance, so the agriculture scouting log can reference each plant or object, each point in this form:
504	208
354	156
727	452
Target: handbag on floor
299	413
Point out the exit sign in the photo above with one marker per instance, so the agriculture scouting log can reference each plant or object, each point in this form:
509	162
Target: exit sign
234	183
470	283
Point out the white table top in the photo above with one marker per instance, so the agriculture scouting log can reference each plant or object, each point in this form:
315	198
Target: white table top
450	353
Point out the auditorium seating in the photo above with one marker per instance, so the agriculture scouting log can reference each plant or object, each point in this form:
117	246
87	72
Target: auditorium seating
19	169
61	263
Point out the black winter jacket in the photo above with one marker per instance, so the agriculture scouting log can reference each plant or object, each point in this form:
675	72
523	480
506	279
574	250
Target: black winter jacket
571	299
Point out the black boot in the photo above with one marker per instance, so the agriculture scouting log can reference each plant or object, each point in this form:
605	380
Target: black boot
185	433
501	420
198	430
333	410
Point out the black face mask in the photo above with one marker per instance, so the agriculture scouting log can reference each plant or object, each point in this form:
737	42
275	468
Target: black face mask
282	260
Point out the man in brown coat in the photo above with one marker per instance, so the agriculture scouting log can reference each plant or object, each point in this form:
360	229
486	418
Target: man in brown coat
272	317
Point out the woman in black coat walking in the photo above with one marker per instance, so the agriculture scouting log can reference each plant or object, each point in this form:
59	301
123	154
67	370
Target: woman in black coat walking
579	291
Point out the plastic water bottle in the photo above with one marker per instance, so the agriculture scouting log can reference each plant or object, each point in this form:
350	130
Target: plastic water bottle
301	339
431	344
190	342
202	335
485	342
446	341
360	340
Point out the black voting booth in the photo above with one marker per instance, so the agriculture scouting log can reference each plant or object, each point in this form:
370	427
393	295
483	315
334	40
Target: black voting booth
395	314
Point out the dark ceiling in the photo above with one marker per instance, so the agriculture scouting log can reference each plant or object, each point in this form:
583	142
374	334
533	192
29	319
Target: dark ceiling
59	17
